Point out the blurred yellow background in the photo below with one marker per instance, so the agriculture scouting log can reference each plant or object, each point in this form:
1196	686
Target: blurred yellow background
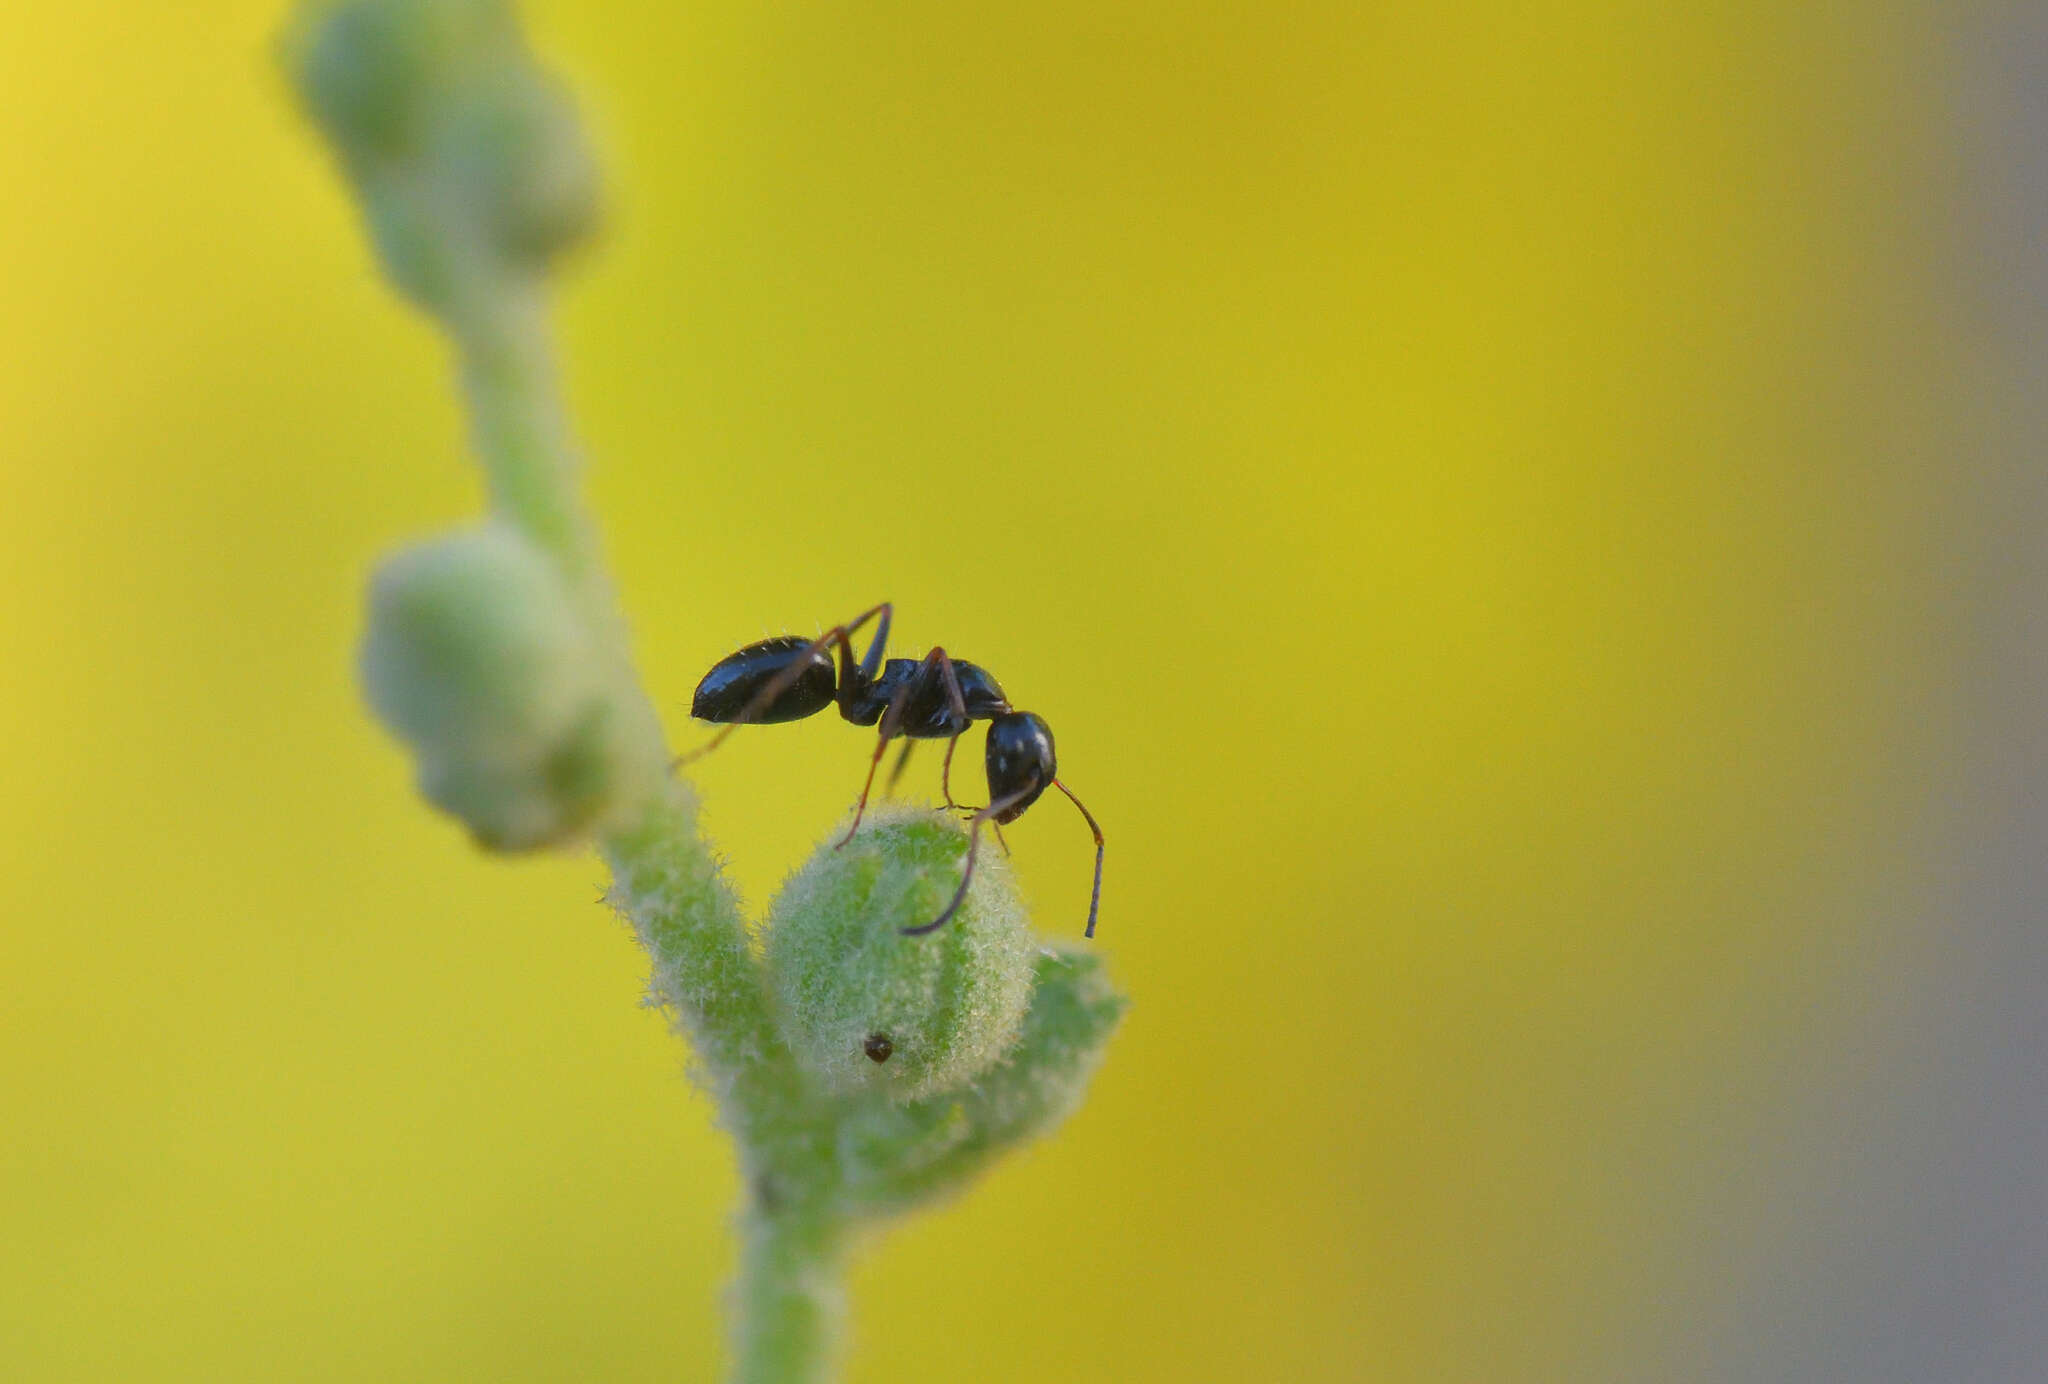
1467	485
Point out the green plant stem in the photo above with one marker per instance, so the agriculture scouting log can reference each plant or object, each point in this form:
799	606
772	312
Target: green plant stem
792	1295
519	428
666	882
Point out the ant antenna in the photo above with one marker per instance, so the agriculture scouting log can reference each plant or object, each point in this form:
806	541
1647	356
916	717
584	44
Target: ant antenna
1095	898
974	849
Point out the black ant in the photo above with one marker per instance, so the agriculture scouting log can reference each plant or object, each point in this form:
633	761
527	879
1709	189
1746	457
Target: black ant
788	677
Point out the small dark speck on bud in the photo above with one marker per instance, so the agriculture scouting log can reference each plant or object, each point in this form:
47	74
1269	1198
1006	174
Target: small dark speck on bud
878	1047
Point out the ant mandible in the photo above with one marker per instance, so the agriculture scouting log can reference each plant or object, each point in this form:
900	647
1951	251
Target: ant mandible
788	677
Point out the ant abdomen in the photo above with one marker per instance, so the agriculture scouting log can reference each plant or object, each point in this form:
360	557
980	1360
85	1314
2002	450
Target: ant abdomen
729	691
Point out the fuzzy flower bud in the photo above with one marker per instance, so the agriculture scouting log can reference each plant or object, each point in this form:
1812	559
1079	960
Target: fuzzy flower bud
369	71
470	161
866	1008
519	152
477	658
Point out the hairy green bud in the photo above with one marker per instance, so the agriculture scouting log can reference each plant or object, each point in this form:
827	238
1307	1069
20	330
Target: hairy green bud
469	159
370	71
516	147
477	657
868	1009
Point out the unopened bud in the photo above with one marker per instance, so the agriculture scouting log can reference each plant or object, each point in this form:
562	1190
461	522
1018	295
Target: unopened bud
518	150
867	1008
477	658
369	71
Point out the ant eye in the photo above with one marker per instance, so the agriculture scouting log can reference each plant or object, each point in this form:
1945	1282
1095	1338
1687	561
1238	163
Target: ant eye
878	1047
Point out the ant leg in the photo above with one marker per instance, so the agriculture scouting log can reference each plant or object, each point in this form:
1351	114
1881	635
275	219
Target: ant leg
946	774
951	682
892	720
896	771
1095	898
786	679
871	662
861	809
959	707
853	682
967	875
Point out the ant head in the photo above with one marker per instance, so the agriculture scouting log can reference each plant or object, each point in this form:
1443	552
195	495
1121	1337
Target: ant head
1020	761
